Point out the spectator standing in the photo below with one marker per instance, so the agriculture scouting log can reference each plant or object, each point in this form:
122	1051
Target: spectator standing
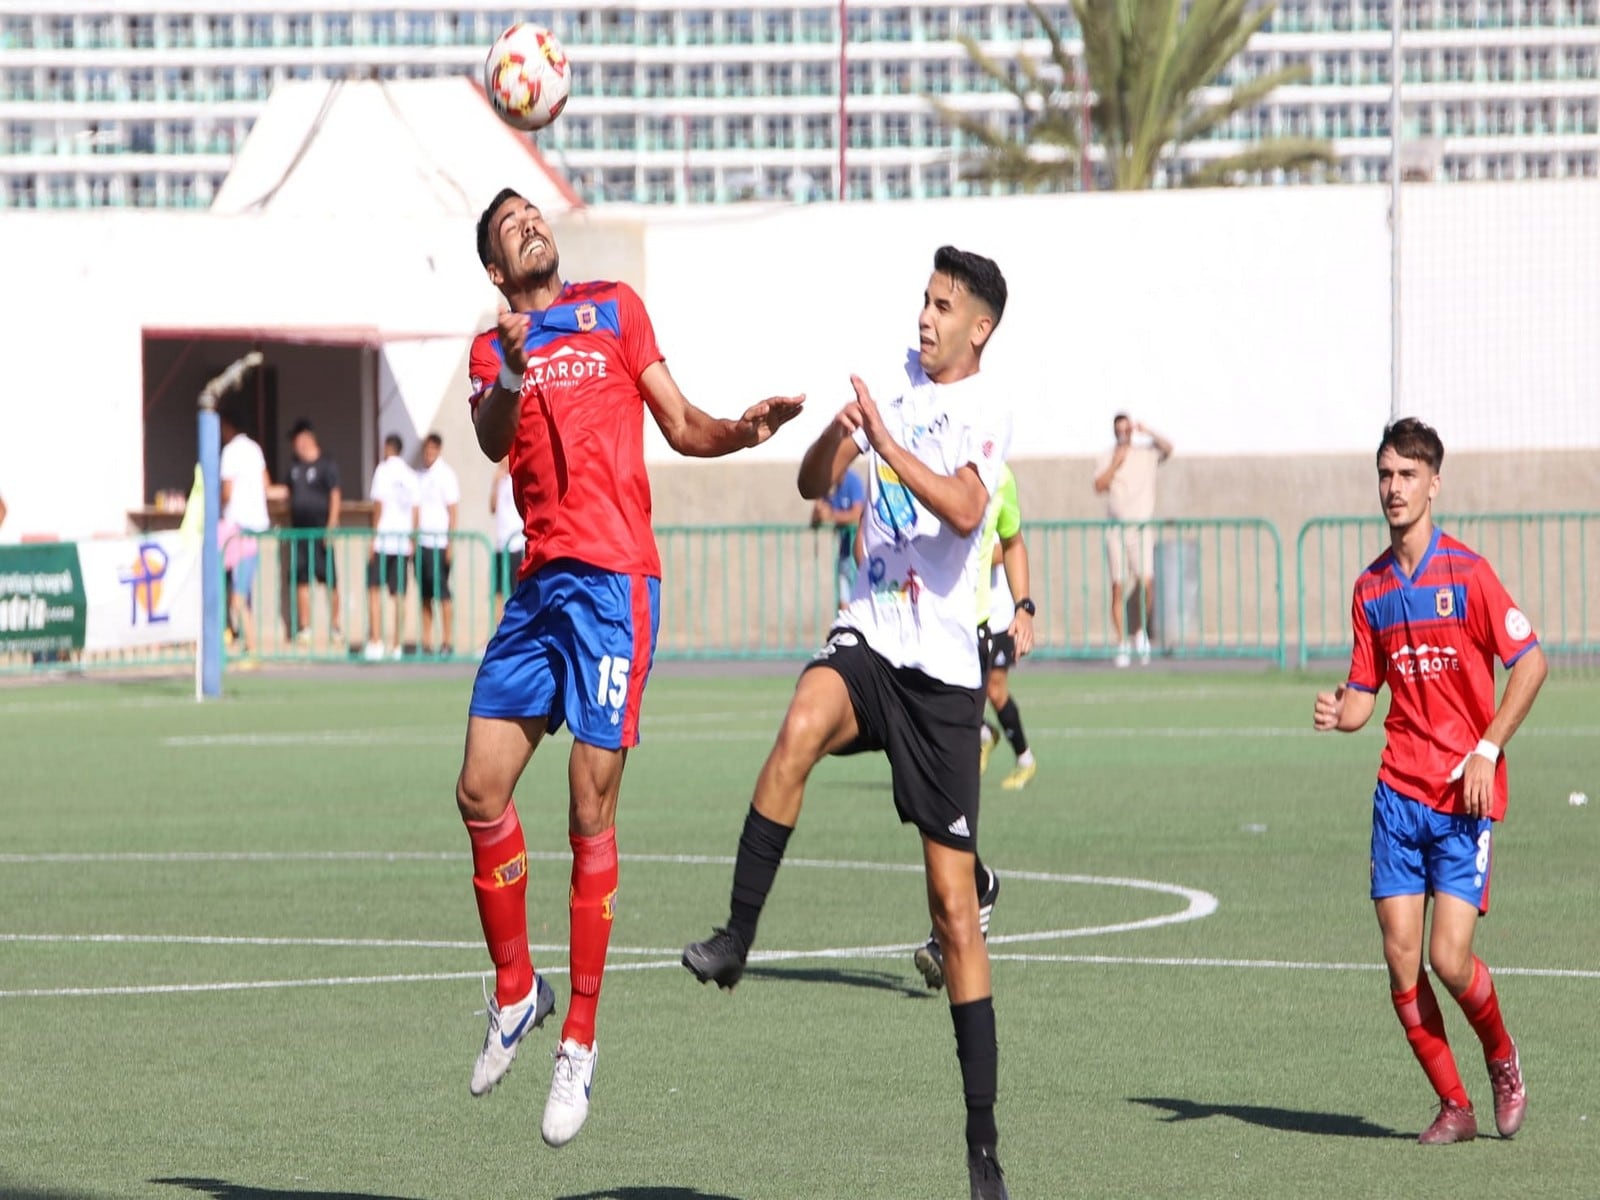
1125	475
394	497
243	471
315	499
439	502
842	508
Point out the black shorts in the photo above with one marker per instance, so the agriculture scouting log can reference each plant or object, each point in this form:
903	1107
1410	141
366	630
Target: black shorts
926	727
389	571
506	563
996	650
433	573
310	557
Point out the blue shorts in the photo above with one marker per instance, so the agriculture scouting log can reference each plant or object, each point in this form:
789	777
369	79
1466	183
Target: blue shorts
1417	850
575	645
244	577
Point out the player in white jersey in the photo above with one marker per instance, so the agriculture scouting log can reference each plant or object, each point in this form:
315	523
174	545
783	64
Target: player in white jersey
900	672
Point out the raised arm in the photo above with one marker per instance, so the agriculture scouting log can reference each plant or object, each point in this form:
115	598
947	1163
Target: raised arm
1163	447
697	434
494	417
959	500
829	457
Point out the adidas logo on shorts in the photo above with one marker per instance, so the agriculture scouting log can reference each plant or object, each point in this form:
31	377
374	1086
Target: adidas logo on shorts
959	827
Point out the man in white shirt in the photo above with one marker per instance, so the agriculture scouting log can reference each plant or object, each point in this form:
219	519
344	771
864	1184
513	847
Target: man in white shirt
901	672
440	497
394	496
1126	476
243	472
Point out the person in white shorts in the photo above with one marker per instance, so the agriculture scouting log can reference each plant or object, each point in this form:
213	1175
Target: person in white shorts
1125	475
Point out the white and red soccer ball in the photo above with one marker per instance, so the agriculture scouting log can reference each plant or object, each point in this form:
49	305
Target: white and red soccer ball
527	76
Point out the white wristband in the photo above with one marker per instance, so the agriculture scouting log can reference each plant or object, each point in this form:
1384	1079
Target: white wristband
509	379
1488	750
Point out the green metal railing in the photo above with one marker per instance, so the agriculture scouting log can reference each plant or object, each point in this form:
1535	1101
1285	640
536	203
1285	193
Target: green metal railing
768	591
336	623
1218	587
1548	561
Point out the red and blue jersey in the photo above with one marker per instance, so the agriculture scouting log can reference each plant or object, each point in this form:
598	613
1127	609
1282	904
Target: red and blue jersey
1433	638
577	460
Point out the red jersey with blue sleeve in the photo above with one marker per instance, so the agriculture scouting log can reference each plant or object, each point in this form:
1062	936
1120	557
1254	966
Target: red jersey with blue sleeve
577	460
1433	638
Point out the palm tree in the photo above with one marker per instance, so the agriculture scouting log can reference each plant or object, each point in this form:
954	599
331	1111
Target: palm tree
1147	65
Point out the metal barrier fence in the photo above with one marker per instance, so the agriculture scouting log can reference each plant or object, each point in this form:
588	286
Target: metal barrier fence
768	591
318	593
1548	561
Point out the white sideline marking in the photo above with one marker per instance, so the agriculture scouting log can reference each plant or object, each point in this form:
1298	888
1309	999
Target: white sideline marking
342	739
1259	964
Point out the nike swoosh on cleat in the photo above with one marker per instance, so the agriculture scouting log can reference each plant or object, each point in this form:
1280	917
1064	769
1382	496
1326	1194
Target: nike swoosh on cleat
516	1034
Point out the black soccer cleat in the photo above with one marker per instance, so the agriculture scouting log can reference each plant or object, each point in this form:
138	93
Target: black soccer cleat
988	1180
720	958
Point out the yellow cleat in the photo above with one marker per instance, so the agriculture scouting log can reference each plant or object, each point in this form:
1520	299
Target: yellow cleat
987	748
1018	779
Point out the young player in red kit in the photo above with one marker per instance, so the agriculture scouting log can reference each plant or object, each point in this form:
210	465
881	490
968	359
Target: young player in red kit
1430	618
561	385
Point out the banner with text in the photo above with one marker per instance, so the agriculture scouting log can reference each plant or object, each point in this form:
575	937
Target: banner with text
101	595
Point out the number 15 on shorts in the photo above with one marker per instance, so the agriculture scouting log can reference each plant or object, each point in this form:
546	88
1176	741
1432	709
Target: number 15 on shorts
612	687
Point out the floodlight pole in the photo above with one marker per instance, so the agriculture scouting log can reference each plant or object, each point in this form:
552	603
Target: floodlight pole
1396	67
208	656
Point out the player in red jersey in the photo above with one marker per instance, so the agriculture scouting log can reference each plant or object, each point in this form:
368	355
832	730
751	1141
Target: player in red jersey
561	385
1430	618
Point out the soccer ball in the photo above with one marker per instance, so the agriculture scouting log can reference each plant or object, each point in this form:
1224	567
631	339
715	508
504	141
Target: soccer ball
527	76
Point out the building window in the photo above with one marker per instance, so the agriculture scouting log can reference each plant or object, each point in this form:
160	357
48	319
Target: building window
142	32
816	25
739	26
860	127
778	132
658	80
658	28
817	78
778	26
777	79
257	30
738	79
818	132
336	29
896	76
180	31
697	27
860	77
699	81
896	130
858	184
22	191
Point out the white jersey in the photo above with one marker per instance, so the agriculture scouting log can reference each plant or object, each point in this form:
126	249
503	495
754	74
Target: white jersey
394	486
243	465
916	596
438	488
508	533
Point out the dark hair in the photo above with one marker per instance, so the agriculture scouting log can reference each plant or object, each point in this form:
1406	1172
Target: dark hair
500	198
1414	439
301	426
433	439
977	274
1121	417
393	442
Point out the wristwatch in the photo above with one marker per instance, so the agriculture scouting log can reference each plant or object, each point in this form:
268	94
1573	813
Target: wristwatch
1026	605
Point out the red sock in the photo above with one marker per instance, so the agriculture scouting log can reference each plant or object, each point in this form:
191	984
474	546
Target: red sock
594	891
1482	1007
1424	1025
500	878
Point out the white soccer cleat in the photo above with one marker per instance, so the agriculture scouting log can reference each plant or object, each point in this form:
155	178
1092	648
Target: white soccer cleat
507	1027
568	1106
1141	647
1124	654
373	652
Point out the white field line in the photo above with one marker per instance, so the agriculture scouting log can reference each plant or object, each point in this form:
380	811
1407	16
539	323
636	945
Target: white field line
344	739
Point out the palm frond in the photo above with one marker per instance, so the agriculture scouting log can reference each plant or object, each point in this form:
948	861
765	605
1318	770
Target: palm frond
1271	154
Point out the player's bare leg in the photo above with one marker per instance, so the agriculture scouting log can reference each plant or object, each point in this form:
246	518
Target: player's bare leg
1401	918
953	905
1455	921
497	751
1117	627
446	624
594	781
820	720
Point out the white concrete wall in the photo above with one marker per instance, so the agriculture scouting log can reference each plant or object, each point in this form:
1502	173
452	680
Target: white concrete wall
1238	322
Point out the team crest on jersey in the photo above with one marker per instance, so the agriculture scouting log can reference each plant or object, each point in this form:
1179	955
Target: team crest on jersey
1444	602
586	314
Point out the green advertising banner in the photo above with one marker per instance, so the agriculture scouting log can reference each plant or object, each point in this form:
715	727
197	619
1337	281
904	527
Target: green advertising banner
42	602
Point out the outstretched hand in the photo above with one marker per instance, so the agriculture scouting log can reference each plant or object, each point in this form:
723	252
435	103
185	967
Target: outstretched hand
765	417
864	411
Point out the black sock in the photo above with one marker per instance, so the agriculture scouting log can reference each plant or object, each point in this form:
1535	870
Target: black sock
979	1054
761	847
1011	722
980	876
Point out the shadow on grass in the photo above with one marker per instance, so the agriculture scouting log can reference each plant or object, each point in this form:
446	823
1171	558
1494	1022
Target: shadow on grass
648	1193
1289	1120
881	981
220	1189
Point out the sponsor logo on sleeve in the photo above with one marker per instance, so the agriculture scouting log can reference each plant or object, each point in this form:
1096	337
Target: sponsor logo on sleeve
1517	625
